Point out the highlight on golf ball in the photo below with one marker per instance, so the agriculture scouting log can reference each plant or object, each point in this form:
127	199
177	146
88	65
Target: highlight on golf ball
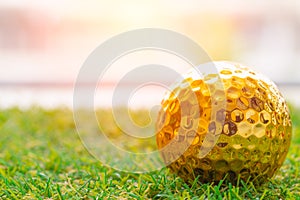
236	128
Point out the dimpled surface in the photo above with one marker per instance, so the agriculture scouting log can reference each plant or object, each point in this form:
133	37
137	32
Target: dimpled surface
250	135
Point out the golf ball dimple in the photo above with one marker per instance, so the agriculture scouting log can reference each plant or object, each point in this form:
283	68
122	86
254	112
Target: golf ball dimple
248	138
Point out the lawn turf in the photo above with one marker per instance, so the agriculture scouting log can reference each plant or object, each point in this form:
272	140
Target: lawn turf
41	157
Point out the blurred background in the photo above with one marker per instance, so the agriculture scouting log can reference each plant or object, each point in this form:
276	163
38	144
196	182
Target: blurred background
44	43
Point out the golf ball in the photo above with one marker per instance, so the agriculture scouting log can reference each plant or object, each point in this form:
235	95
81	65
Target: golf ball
229	124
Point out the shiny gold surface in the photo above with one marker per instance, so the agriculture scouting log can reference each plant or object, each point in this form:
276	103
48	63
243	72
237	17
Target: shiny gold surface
249	137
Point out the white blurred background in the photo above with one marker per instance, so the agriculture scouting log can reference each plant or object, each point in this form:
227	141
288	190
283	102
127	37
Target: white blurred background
44	43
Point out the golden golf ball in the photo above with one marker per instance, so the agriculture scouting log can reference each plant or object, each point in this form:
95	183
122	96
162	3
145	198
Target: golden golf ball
229	124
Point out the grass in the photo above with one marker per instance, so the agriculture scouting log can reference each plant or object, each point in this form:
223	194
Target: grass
41	157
